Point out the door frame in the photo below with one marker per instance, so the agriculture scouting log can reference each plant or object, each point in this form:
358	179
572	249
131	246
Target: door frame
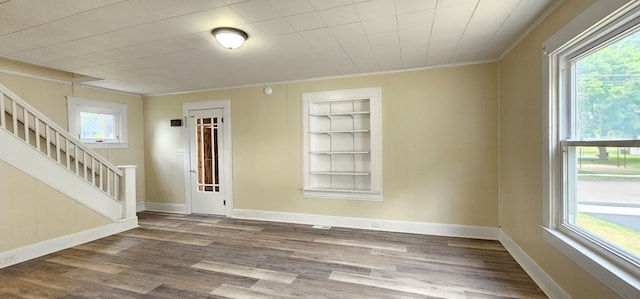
227	164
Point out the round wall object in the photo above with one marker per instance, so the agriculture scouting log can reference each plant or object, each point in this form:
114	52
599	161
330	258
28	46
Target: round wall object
268	90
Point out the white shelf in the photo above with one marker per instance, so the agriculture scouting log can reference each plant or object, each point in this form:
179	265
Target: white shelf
340	114
340	173
341	152
342	190
340	132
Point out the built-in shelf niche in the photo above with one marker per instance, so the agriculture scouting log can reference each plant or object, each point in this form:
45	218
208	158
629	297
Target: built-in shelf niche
342	144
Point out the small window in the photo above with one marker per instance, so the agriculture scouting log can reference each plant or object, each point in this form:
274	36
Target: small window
98	124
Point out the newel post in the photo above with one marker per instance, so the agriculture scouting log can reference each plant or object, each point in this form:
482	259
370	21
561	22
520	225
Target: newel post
128	191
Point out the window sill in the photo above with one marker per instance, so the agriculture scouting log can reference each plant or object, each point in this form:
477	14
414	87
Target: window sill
618	279
102	145
343	194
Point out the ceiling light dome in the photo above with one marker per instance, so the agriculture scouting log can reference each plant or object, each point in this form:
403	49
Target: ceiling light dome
230	38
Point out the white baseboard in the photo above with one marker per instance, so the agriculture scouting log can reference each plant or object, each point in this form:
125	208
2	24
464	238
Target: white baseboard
29	252
140	207
165	207
544	281
451	230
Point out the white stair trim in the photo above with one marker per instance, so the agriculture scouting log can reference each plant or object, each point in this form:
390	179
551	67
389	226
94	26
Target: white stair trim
23	157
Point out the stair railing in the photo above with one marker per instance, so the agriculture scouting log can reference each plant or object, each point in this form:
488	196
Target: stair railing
35	129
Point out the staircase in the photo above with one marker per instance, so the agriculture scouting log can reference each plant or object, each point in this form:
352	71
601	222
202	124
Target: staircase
37	146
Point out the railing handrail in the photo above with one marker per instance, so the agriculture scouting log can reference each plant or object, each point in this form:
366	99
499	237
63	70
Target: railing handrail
76	142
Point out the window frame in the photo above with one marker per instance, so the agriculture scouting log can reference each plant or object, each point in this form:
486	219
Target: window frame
602	22
76	105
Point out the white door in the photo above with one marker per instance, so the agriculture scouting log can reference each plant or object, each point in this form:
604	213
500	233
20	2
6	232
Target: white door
206	155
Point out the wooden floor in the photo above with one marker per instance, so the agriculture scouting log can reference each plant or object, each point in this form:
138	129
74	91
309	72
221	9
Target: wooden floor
176	256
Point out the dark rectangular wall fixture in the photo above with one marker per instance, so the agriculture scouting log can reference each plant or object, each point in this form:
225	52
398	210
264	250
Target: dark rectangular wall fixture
176	122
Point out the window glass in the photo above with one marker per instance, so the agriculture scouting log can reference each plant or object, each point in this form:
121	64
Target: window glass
97	126
608	91
603	180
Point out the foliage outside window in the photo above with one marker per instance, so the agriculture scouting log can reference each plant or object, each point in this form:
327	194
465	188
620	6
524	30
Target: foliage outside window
98	124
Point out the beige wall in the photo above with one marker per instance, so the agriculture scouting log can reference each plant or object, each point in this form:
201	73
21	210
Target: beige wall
49	97
521	156
439	146
32	212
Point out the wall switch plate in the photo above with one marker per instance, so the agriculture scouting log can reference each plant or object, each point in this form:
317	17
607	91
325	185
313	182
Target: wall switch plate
180	152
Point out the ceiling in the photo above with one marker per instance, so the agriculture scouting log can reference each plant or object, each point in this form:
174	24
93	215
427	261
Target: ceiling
165	46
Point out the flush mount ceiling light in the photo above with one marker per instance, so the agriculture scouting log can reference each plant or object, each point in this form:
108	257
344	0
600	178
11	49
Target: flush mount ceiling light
230	38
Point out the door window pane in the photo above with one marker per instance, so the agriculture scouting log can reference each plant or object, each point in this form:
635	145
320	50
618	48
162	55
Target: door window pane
207	148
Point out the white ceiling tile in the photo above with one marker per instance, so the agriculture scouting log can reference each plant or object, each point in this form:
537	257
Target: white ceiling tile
450	22
340	15
376	8
34	38
386	47
319	35
416	34
440	53
408	6
382	24
288	7
230	2
147	32
441	59
306	21
209	19
340	61
255	10
172	8
414	54
65	50
325	4
348	31
360	53
464	55
420	19
9	26
487	18
454	3
35	12
273	27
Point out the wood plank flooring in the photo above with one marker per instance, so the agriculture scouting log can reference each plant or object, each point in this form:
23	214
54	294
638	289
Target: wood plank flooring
190	256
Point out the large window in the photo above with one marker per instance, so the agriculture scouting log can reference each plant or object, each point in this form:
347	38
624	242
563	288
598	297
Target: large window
594	149
98	124
600	143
